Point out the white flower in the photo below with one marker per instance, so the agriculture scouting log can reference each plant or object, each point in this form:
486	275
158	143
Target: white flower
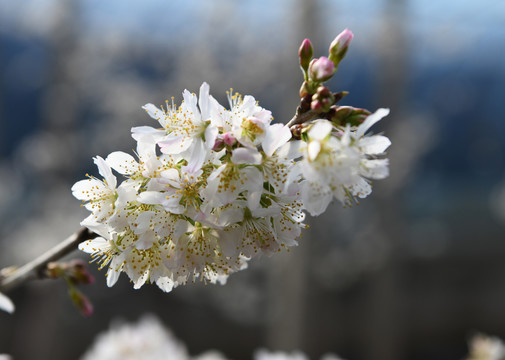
6	304
246	120
338	163
148	340
189	130
99	196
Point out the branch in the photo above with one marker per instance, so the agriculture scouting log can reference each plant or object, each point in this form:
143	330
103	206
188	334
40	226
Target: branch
36	268
304	117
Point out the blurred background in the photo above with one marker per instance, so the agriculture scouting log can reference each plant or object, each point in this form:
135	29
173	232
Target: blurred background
411	273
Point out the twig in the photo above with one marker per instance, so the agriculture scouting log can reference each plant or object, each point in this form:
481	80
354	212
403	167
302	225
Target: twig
35	269
303	117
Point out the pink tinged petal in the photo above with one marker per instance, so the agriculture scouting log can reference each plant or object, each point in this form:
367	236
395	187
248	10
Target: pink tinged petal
277	136
375	144
203	101
151	197
211	133
320	129
246	156
370	121
122	162
106	172
6	304
313	149
375	169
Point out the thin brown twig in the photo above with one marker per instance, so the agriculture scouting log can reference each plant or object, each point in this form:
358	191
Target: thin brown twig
35	269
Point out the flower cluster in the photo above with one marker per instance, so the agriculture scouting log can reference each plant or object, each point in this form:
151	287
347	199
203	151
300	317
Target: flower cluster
210	188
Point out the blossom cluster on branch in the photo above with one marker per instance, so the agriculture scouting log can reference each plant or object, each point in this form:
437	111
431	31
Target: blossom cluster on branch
212	187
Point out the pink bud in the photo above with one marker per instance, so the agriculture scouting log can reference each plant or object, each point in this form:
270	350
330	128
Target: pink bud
80	301
321	69
339	46
229	139
305	53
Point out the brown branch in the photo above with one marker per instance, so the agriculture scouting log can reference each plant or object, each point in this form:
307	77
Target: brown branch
304	117
35	269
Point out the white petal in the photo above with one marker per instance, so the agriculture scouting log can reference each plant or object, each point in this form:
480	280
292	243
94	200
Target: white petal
375	144
203	101
106	172
277	135
370	120
153	111
246	156
315	197
122	162
115	269
6	304
197	156
320	129
94	245
313	149
87	189
375	169
147	134
165	283
210	136
360	188
151	197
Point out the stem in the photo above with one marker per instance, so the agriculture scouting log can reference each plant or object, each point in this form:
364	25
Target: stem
301	118
35	269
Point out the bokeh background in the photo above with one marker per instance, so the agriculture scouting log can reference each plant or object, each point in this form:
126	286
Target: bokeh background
410	273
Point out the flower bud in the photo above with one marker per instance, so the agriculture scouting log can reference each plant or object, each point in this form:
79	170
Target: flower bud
229	139
344	115
305	53
304	90
321	69
339	46
322	100
80	301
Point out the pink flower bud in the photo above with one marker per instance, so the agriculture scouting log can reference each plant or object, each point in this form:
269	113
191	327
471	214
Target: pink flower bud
80	301
339	46
305	53
321	69
229	139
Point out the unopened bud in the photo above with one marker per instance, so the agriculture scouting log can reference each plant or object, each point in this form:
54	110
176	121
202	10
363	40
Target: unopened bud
229	139
304	90
80	301
339	46
322	100
218	145
321	69
305	53
344	115
78	272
